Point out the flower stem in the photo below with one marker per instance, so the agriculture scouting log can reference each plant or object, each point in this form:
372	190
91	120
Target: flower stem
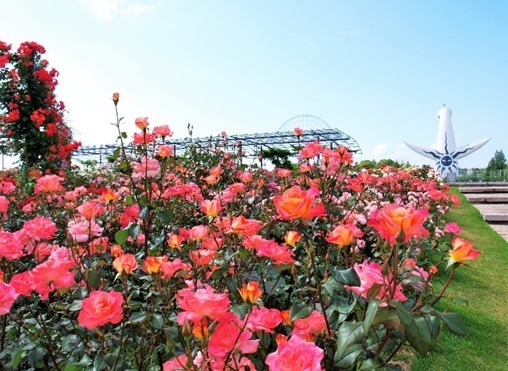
444	288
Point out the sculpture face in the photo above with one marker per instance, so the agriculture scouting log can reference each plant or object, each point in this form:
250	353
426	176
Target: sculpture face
444	153
447	164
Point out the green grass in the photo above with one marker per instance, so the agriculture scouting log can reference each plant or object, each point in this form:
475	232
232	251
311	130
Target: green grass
480	294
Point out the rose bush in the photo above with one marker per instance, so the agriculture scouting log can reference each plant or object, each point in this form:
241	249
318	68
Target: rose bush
199	262
31	119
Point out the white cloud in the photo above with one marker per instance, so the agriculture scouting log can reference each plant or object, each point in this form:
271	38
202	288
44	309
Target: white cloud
380	150
102	9
108	10
138	9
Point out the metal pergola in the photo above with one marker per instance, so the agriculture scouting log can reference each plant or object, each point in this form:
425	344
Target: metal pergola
251	144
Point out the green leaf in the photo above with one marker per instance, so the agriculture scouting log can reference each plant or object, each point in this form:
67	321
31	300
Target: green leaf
36	358
164	215
98	363
129	200
240	310
137	317
349	358
299	311
85	361
71	367
348	334
121	236
454	322
76	305
417	329
388	317
435	327
346	277
157	322
143	214
371	364
370	314
419	335
94	279
134	230
16	359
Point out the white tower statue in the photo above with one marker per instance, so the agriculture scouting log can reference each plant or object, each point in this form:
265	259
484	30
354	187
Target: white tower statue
444	151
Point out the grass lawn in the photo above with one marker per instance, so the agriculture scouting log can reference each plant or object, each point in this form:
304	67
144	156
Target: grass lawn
480	294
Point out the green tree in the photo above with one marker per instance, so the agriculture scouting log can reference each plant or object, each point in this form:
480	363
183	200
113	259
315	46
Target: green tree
498	162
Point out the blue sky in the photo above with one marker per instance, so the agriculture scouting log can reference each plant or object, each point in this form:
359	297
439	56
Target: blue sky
377	70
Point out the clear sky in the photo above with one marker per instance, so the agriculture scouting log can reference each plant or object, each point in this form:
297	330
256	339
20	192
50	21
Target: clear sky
377	70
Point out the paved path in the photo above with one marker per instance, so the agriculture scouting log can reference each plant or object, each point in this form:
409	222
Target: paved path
491	199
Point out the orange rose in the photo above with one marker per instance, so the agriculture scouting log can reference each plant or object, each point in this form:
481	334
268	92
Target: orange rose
292	237
296	203
125	264
250	293
393	221
462	250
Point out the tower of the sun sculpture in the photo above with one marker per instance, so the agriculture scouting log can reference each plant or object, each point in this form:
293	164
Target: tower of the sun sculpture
444	151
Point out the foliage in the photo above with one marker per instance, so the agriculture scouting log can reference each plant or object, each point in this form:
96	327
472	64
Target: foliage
279	157
373	164
498	162
198	263
32	124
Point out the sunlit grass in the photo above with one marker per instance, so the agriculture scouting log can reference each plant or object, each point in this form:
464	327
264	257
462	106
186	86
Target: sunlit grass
480	294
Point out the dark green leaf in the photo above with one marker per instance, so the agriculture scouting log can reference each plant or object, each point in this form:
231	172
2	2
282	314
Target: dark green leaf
454	322
419	335
134	230
164	216
299	311
71	367
98	363
435	327
370	314
16	359
240	310
94	279
417	329
346	277
157	322
370	364
75	306
349	358
143	214
121	236
36	358
137	317
348	334
388	317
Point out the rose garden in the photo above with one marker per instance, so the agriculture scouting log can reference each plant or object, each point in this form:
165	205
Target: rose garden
201	262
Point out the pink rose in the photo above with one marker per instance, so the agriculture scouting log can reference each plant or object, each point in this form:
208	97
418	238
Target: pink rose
296	355
101	307
7	297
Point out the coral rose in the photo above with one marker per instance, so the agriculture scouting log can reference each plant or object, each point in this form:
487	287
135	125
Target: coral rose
101	307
